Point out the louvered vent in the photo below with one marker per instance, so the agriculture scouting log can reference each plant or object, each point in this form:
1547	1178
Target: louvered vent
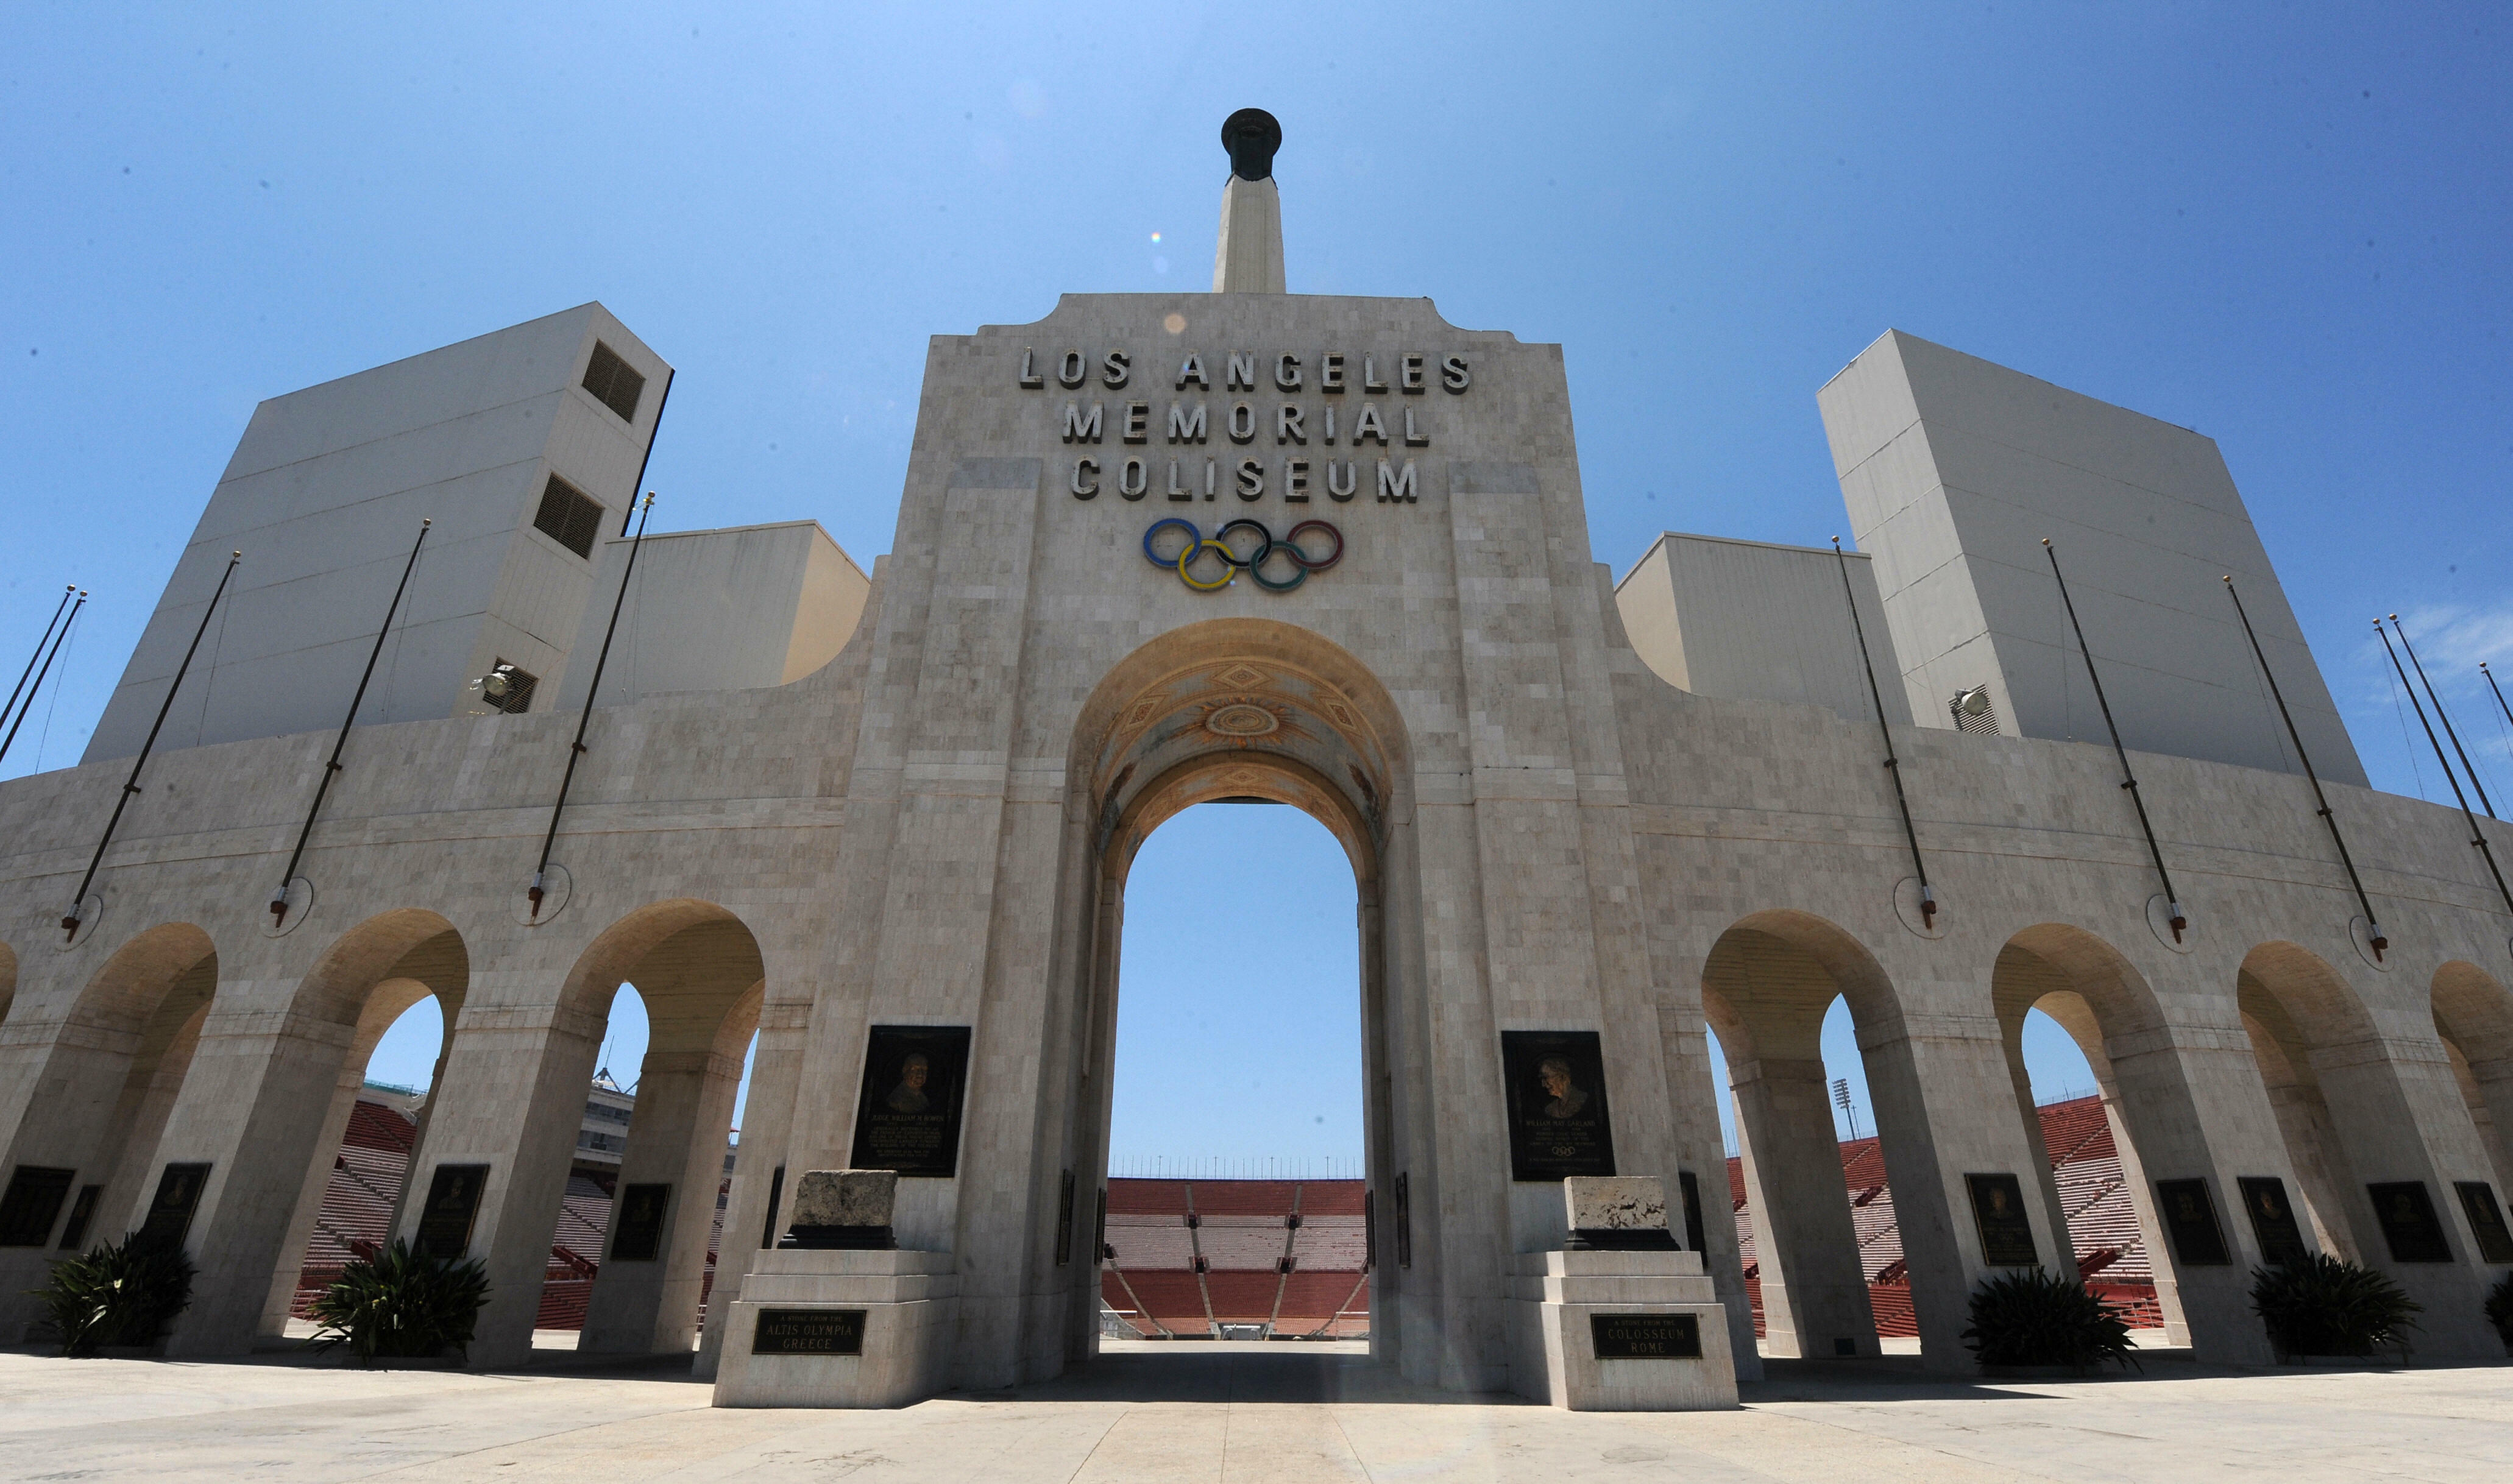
569	515
614	381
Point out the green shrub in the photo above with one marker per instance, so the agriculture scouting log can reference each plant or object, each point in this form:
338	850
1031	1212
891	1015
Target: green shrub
2500	1308
2041	1318
2322	1306
399	1305
117	1295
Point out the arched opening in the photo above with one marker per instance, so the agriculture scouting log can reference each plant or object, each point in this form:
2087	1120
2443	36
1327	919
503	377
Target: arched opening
80	1157
1215	714
2295	1009
1823	1259
649	1166
2057	978
2473	1015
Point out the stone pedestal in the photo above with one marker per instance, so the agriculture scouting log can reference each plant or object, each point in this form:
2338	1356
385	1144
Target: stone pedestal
910	1306
1553	1298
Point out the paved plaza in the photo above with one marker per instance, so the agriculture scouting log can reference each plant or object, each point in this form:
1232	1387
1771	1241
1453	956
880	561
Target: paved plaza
1252	1412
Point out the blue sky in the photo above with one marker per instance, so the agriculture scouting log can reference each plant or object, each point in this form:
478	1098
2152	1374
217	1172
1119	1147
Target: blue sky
2283	225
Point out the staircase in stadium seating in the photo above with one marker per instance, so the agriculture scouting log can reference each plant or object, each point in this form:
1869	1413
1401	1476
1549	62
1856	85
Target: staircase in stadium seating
1193	1255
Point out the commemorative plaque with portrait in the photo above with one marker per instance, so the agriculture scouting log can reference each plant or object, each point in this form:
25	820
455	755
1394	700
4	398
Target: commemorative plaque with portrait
2190	1216
1644	1337
907	1118
453	1195
2409	1224
639	1237
1557	1120
2485	1221
34	1198
809	1332
2281	1236
2006	1231
178	1195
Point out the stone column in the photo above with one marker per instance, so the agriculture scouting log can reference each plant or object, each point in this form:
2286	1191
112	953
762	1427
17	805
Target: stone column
512	1098
1248	258
775	1075
676	1135
1815	1288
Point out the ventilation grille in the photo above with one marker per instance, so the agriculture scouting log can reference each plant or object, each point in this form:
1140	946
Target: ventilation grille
569	515
614	381
520	686
1974	713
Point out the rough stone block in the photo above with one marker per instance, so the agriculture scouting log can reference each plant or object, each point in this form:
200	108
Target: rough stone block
1615	1202
849	1198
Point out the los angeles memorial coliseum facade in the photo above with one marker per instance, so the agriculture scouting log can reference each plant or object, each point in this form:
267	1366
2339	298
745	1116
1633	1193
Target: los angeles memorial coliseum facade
1331	552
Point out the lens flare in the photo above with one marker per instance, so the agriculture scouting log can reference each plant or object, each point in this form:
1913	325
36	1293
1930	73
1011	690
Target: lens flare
1156	237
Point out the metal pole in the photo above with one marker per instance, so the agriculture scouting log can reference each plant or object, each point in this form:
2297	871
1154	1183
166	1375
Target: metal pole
592	691
25	710
38	651
2498	689
2444	717
332	765
1893	765
2128	779
131	785
2477	837
2373	924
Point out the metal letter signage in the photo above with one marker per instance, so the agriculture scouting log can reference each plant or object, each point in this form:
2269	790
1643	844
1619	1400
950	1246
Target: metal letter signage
809	1332
1194	546
1644	1337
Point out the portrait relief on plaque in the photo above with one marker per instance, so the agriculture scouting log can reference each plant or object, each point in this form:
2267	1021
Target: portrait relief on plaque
2281	1236
35	1196
178	1195
639	1234
453	1195
2409	1224
1998	1210
2485	1221
907	1118
1558	1120
2190	1216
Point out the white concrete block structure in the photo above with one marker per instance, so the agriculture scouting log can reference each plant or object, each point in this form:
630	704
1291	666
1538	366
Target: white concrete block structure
1155	549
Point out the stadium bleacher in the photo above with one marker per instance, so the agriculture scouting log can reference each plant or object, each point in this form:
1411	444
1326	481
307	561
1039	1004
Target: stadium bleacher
1193	1259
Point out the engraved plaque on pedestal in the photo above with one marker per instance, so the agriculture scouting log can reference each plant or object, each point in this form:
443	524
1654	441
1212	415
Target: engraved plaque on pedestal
907	1119
809	1332
1998	1210
2190	1215
453	1195
1646	1337
1557	1120
2281	1236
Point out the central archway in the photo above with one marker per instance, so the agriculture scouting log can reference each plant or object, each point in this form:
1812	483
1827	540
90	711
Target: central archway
1246	708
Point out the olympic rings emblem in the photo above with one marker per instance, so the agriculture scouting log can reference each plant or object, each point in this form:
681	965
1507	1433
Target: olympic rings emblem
1197	546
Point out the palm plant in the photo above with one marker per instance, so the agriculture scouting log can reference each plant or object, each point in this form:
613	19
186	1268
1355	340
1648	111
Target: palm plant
2042	1318
2324	1306
399	1305
121	1294
2500	1308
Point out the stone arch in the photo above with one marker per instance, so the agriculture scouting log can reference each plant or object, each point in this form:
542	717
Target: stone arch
1767	985
2296	1008
2473	1016
2096	994
361	982
109	1075
702	979
1242	708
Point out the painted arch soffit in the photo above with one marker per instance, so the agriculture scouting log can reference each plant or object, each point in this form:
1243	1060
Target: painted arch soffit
1258	710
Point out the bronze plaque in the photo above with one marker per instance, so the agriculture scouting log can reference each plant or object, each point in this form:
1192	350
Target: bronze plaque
2281	1236
178	1195
1558	1121
2006	1231
34	1198
2409	1221
453	1195
82	1215
639	1234
1646	1337
909	1116
2190	1216
2485	1221
809	1332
